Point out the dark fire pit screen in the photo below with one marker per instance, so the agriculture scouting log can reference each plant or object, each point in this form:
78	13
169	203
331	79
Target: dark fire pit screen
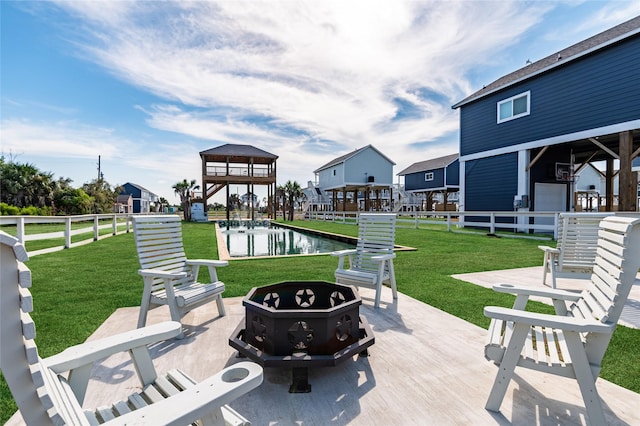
300	325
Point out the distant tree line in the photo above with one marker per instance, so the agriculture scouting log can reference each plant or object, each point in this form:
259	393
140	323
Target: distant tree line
26	190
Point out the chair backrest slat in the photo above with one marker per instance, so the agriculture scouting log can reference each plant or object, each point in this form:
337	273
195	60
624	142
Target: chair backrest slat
614	271
19	360
376	236
578	237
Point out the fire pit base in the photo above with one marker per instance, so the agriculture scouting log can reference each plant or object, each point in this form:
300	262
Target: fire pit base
302	324
300	362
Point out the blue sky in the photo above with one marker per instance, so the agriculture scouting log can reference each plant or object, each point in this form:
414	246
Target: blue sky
148	85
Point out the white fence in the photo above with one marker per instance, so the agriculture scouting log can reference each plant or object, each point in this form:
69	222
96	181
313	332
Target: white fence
118	223
520	223
517	224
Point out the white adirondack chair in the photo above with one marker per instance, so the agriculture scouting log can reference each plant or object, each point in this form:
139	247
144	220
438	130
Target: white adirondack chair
169	277
45	396
575	250
371	262
573	342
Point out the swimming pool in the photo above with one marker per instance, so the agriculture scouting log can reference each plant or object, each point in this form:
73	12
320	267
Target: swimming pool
262	238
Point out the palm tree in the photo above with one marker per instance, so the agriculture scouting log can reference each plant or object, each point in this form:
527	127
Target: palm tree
293	193
184	190
163	204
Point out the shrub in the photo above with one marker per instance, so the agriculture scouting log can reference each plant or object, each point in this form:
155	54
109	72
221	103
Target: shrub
7	210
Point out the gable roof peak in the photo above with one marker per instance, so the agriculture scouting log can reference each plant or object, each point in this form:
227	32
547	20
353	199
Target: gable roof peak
575	51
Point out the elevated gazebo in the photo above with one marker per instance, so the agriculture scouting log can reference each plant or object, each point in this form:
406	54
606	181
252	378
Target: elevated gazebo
238	165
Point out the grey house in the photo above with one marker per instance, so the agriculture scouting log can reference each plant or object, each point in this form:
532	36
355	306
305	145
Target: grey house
359	180
523	136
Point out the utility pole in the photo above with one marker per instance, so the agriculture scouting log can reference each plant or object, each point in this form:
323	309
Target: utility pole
99	169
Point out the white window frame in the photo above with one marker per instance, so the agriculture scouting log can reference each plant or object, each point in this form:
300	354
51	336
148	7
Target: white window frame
428	176
510	100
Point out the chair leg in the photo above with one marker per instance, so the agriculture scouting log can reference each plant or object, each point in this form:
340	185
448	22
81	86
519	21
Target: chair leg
507	367
545	268
175	314
144	309
221	311
586	381
392	280
376	303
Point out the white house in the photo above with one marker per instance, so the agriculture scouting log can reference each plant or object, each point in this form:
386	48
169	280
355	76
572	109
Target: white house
361	180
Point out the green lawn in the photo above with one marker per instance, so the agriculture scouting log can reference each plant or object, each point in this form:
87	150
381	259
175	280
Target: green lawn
76	290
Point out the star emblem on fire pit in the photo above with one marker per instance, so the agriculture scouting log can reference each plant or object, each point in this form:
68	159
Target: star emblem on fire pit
305	298
343	328
336	299
258	328
300	335
271	300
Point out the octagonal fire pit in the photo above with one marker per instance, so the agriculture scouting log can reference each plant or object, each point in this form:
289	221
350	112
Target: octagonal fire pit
302	324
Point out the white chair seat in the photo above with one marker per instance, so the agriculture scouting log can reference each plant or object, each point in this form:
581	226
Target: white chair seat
51	391
169	277
571	343
371	263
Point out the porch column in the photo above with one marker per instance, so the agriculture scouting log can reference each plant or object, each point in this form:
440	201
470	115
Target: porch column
608	184
627	187
461	193
523	186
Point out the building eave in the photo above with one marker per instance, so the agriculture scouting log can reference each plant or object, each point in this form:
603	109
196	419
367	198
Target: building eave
555	60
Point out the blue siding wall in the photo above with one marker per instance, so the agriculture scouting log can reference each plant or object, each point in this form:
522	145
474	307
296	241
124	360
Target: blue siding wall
594	91
415	181
453	173
135	194
491	183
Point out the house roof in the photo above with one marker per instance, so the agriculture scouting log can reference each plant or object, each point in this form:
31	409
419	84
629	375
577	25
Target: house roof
599	41
436	163
135	185
123	198
345	157
239	152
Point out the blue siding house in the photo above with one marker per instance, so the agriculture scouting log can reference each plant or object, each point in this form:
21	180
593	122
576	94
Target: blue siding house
361	180
438	176
523	136
143	199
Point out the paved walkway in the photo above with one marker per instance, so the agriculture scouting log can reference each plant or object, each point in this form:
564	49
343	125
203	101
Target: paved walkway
425	368
533	277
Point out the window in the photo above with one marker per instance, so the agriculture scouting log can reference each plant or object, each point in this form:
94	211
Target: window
334	172
428	176
514	107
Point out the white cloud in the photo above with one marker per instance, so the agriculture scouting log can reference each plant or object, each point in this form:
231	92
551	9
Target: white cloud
62	139
324	70
305	80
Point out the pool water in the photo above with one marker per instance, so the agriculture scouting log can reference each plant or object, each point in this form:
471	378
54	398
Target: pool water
262	238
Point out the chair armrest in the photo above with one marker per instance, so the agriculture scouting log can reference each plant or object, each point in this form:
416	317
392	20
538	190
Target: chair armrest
548	249
383	257
158	273
546	320
90	352
206	262
199	400
536	291
342	253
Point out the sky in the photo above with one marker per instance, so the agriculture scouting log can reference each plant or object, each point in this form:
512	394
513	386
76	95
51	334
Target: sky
144	87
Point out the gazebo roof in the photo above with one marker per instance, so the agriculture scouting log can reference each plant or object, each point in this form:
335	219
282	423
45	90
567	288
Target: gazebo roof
238	154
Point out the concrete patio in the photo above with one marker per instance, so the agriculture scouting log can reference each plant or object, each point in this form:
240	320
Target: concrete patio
426	367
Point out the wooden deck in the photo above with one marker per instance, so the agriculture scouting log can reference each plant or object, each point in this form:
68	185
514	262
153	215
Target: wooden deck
426	367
